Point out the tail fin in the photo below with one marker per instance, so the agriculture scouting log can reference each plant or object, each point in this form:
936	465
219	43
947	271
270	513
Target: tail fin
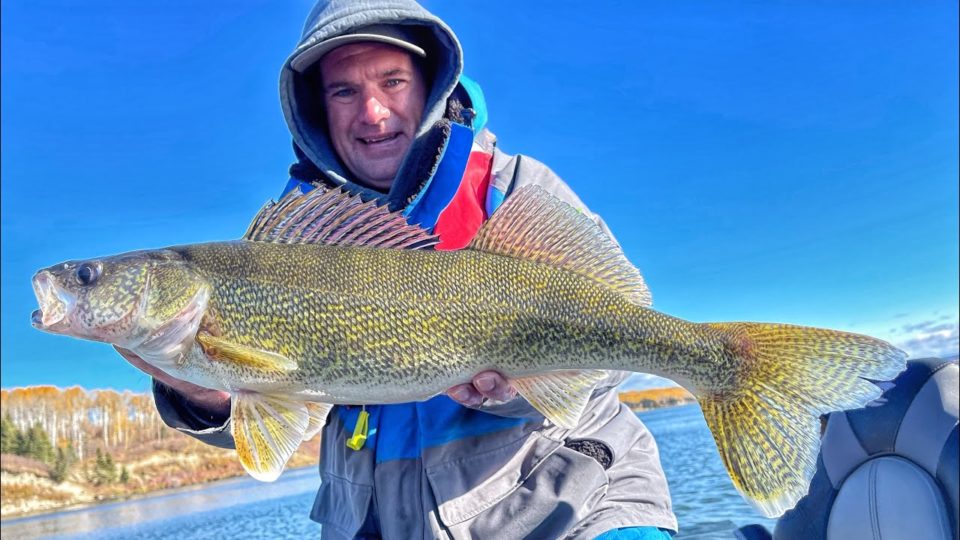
767	428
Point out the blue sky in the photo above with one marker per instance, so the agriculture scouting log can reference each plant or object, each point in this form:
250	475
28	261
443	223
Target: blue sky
776	161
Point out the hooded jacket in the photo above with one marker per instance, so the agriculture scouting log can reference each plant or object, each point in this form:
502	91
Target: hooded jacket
437	469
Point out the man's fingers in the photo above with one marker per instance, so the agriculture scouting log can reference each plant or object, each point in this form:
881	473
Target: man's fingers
487	385
206	397
466	395
493	385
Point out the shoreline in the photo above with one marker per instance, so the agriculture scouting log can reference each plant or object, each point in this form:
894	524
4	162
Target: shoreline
179	465
665	407
46	512
150	469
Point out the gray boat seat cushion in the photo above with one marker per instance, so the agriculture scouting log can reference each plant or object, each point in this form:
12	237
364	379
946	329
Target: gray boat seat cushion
889	498
888	470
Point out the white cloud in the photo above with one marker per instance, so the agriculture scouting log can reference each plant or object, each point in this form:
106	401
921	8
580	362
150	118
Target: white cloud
930	338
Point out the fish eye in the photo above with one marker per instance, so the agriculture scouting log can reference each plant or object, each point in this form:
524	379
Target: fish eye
87	273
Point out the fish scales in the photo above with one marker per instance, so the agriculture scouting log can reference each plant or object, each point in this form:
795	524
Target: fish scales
430	319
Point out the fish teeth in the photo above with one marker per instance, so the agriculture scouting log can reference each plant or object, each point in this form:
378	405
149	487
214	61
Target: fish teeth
53	308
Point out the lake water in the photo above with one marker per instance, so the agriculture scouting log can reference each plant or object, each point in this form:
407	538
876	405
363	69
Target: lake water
704	499
706	503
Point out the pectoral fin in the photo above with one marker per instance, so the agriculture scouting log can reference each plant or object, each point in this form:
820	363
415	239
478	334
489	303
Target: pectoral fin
318	418
560	396
266	431
217	348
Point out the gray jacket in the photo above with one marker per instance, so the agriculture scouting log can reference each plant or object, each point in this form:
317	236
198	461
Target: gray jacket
437	469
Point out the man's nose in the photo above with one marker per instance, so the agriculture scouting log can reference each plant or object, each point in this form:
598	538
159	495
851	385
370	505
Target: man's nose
374	111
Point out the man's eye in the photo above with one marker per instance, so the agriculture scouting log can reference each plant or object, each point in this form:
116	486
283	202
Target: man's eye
343	93
391	83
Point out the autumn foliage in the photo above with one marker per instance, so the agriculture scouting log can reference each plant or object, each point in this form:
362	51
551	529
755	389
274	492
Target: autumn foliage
641	400
84	420
63	447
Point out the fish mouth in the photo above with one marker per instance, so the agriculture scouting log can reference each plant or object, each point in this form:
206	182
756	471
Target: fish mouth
54	304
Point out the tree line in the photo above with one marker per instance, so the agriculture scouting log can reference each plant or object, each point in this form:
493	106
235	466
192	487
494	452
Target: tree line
84	421
35	443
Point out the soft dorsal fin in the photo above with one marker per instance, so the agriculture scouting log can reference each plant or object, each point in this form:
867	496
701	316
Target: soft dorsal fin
337	218
534	225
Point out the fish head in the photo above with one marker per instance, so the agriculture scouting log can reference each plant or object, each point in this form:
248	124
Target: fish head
117	299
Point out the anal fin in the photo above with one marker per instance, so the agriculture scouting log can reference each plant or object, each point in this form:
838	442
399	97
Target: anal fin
560	396
218	348
267	430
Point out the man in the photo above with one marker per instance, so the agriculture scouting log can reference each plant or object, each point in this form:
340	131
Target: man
376	103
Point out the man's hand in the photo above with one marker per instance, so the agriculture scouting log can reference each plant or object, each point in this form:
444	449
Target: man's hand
486	385
216	401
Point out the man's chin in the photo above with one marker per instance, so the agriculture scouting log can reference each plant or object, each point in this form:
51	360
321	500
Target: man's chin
377	174
379	183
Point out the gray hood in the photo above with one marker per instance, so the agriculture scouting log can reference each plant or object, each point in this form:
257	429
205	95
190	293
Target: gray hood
331	18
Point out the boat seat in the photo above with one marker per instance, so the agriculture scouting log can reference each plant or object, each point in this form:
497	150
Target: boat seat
890	470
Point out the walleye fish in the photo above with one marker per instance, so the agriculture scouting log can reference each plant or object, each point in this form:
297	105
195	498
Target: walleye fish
331	300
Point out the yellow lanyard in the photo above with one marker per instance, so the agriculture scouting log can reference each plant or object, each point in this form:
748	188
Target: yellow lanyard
359	431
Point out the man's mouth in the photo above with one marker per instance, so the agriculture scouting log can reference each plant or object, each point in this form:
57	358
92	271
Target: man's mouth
378	139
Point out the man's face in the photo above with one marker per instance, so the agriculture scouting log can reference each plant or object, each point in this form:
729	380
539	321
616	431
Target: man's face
374	96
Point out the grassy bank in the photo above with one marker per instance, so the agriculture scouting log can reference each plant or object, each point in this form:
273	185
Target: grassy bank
27	485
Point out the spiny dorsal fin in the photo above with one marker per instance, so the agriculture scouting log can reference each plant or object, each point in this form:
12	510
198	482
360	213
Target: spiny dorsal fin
534	225
336	218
